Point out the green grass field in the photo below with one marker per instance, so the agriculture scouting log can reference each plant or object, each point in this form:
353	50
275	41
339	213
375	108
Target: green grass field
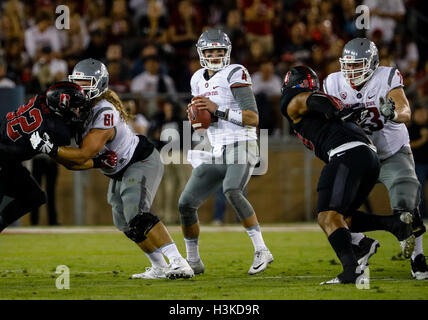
101	263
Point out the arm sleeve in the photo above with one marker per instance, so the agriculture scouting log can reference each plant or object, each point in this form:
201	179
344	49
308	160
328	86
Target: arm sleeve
323	103
245	98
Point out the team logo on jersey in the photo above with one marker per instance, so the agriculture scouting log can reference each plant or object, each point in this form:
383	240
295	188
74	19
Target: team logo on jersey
343	95
64	100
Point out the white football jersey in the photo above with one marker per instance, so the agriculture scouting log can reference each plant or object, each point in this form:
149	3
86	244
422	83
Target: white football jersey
218	90
387	136
105	116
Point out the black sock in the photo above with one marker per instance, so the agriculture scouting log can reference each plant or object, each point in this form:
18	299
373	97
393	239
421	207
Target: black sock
418	224
3	224
13	211
362	222
341	242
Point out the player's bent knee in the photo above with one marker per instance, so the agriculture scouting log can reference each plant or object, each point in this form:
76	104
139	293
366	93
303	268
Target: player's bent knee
238	201
140	226
326	218
404	194
188	215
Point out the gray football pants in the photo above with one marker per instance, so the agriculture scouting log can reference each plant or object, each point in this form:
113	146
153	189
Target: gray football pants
135	193
398	175
206	179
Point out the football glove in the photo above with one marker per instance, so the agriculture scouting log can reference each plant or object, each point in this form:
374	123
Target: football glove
108	160
387	109
356	113
43	144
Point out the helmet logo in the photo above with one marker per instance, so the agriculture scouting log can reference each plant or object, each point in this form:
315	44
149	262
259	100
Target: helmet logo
64	100
287	77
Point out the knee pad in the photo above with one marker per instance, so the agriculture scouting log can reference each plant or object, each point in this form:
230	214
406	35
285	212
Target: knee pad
188	215
140	225
241	205
405	194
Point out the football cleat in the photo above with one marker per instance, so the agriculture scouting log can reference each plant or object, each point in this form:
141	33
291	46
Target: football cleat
197	266
261	260
151	273
419	267
179	268
357	278
364	250
405	234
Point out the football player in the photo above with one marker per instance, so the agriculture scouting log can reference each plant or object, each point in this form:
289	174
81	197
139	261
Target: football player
224	90
351	170
52	112
380	90
135	170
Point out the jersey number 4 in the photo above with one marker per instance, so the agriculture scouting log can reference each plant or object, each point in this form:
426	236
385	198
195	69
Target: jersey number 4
24	120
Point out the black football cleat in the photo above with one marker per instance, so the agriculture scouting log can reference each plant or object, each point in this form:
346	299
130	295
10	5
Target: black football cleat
404	232
357	278
364	250
419	267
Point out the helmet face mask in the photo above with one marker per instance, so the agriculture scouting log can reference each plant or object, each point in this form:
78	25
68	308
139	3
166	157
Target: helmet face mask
94	71
214	39
359	61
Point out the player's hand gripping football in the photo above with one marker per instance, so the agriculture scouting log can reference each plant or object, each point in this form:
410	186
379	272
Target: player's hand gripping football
204	103
387	109
43	144
108	160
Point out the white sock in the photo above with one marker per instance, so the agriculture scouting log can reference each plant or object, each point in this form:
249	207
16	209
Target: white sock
256	237
192	249
157	259
170	251
356	238
419	248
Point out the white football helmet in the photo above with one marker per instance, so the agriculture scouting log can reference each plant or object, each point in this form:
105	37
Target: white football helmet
361	52
96	72
214	39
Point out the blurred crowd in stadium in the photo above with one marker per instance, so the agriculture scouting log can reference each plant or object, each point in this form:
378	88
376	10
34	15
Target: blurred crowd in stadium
148	46
149	49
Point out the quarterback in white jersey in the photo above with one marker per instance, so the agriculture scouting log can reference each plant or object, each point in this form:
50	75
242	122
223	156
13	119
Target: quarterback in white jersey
380	91
218	90
133	165
224	90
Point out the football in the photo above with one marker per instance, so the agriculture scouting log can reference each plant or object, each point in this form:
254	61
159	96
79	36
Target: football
200	119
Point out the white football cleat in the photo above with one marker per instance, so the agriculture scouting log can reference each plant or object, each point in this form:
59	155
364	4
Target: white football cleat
179	268
261	260
151	273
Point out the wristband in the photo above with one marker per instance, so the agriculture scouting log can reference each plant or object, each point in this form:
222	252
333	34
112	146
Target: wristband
235	116
221	114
